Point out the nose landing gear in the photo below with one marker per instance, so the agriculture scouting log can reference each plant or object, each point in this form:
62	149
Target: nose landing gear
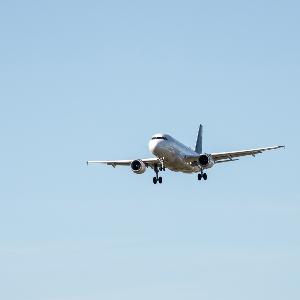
157	179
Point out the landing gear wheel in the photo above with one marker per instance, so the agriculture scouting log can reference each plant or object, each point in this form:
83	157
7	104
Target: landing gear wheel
157	179
204	176
199	176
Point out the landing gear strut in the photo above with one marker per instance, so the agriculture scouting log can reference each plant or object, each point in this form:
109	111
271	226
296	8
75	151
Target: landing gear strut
202	175
157	179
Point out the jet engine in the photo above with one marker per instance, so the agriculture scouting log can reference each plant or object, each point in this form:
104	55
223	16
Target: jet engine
138	166
206	161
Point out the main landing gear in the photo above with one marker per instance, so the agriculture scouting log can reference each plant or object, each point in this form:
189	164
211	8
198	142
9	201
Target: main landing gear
157	179
202	175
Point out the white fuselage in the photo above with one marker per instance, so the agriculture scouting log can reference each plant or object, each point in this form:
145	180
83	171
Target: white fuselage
173	153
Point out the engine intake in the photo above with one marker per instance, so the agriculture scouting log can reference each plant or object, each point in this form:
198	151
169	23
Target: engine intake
206	161
138	166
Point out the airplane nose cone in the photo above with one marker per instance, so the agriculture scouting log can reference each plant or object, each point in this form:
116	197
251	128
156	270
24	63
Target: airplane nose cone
154	146
151	145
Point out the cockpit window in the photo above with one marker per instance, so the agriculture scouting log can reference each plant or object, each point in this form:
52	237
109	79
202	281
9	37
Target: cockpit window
159	138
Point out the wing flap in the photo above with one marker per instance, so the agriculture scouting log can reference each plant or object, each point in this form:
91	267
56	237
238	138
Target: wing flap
226	160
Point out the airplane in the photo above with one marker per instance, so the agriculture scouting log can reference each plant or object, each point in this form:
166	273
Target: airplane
175	156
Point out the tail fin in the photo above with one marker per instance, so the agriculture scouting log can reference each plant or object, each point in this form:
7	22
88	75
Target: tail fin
198	147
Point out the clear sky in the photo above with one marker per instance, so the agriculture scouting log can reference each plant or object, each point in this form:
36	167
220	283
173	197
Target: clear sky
94	80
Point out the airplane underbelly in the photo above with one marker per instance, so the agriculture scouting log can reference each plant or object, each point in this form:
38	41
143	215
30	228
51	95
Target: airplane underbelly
175	162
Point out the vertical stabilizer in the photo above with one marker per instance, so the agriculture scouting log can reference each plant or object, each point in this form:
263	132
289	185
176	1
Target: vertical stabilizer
198	147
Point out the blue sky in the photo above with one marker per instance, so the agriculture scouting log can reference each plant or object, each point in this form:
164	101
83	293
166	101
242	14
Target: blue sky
94	80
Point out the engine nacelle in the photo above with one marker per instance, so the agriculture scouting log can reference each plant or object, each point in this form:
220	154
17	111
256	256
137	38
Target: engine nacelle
138	166
206	161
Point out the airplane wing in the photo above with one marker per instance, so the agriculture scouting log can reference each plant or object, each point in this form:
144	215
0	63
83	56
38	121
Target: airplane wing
231	156
149	162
